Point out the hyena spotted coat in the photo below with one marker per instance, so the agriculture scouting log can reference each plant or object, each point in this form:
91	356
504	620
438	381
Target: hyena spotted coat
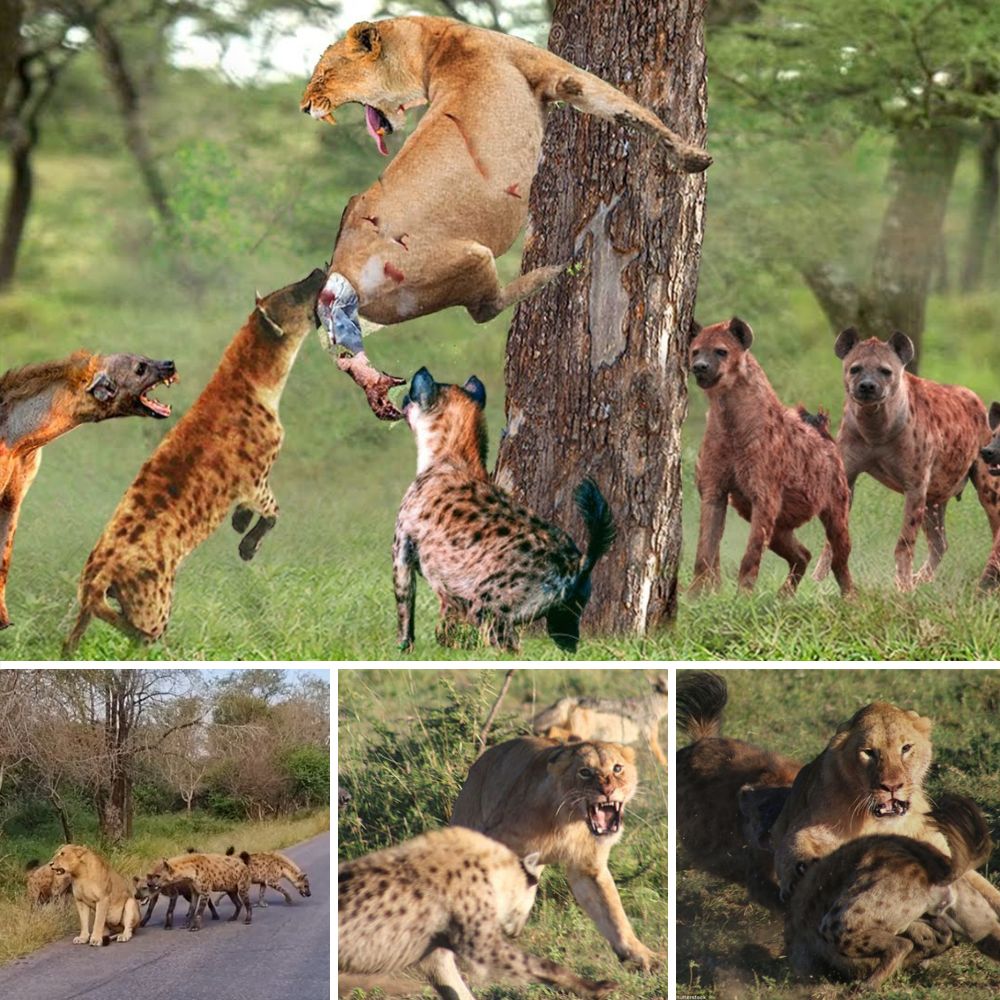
491	562
449	894
986	475
202	874
219	454
777	466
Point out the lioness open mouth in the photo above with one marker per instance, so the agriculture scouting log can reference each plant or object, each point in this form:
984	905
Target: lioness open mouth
153	406
378	127
604	817
893	807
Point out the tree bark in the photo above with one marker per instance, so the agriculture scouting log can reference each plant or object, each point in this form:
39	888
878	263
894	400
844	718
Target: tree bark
596	373
22	142
11	15
982	226
117	71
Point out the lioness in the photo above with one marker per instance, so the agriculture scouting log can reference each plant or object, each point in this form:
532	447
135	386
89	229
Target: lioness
426	234
881	902
869	780
98	888
565	801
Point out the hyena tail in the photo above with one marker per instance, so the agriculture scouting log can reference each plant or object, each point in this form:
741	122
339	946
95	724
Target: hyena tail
701	697
600	524
968	836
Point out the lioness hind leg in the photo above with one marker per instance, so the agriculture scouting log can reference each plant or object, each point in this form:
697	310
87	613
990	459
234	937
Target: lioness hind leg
514	291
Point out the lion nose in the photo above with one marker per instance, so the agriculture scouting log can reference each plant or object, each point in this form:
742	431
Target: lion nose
891	789
306	107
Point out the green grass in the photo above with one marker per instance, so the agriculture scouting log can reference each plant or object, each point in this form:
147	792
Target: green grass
406	740
256	214
157	836
729	948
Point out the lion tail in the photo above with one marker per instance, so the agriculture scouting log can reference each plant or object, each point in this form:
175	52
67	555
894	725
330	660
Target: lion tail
701	697
962	823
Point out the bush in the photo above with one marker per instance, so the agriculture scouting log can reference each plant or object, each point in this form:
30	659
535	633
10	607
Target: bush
309	768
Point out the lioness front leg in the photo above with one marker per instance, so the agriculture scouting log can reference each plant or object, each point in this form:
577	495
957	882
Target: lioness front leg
100	918
83	912
598	895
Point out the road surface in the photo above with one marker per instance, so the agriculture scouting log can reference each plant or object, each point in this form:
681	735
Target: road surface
285	952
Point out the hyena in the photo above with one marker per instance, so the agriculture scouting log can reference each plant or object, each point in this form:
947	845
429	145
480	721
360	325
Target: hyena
917	437
777	466
268	868
986	475
490	561
449	894
203	874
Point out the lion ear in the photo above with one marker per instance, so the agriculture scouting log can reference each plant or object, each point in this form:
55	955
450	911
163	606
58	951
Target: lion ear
921	723
628	754
368	38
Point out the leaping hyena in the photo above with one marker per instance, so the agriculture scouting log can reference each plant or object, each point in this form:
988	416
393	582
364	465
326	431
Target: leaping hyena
219	454
449	894
491	562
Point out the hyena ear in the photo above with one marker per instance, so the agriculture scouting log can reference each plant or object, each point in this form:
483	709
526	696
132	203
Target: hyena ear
103	388
265	322
845	342
423	389
531	866
903	346
476	391
367	37
742	332
994	416
694	328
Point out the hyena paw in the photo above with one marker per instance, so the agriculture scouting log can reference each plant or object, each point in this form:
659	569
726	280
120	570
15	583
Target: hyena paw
248	548
242	517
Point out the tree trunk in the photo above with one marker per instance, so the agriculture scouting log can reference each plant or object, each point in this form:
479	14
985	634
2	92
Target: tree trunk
117	72
114	797
18	201
596	363
983	217
922	173
11	15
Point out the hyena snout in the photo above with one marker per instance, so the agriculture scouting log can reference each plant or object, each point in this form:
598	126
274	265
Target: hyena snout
991	456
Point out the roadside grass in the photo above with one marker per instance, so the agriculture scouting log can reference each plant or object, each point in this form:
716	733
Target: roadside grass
158	836
406	741
728	948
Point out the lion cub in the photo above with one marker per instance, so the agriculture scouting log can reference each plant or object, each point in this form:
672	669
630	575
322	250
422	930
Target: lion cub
445	895
491	562
97	889
879	902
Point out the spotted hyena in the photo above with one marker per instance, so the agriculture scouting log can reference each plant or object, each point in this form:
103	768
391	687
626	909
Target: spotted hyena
986	474
219	454
918	437
491	562
202	874
268	868
450	894
777	466
44	885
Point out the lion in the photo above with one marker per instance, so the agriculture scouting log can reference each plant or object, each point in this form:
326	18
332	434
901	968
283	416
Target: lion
99	889
728	792
869	780
427	233
565	801
880	903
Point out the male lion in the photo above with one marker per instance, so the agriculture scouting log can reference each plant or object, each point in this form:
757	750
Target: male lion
98	888
565	801
426	234
881	902
869	780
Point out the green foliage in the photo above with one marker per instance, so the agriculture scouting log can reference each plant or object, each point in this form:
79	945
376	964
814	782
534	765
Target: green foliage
309	768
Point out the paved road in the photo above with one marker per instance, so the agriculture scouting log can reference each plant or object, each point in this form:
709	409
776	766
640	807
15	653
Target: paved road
285	952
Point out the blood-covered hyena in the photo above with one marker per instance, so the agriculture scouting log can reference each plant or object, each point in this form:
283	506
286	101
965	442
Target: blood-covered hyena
777	466
917	437
450	894
986	476
491	562
203	874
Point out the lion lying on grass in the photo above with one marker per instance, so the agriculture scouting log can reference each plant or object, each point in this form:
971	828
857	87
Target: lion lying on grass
100	890
426	234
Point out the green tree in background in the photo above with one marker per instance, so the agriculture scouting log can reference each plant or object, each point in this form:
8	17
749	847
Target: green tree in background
812	83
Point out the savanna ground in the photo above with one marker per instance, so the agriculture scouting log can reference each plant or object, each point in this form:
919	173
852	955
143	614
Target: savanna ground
258	190
730	949
35	835
406	741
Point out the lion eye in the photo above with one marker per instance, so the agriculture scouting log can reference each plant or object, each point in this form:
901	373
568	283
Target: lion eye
907	747
618	769
585	772
869	753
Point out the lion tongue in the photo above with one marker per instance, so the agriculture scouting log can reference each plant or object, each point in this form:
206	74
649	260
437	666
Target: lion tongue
604	818
375	129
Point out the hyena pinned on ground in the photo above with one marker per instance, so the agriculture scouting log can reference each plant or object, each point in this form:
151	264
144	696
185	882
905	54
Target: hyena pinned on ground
491	562
450	894
777	466
986	476
203	874
219	454
917	437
